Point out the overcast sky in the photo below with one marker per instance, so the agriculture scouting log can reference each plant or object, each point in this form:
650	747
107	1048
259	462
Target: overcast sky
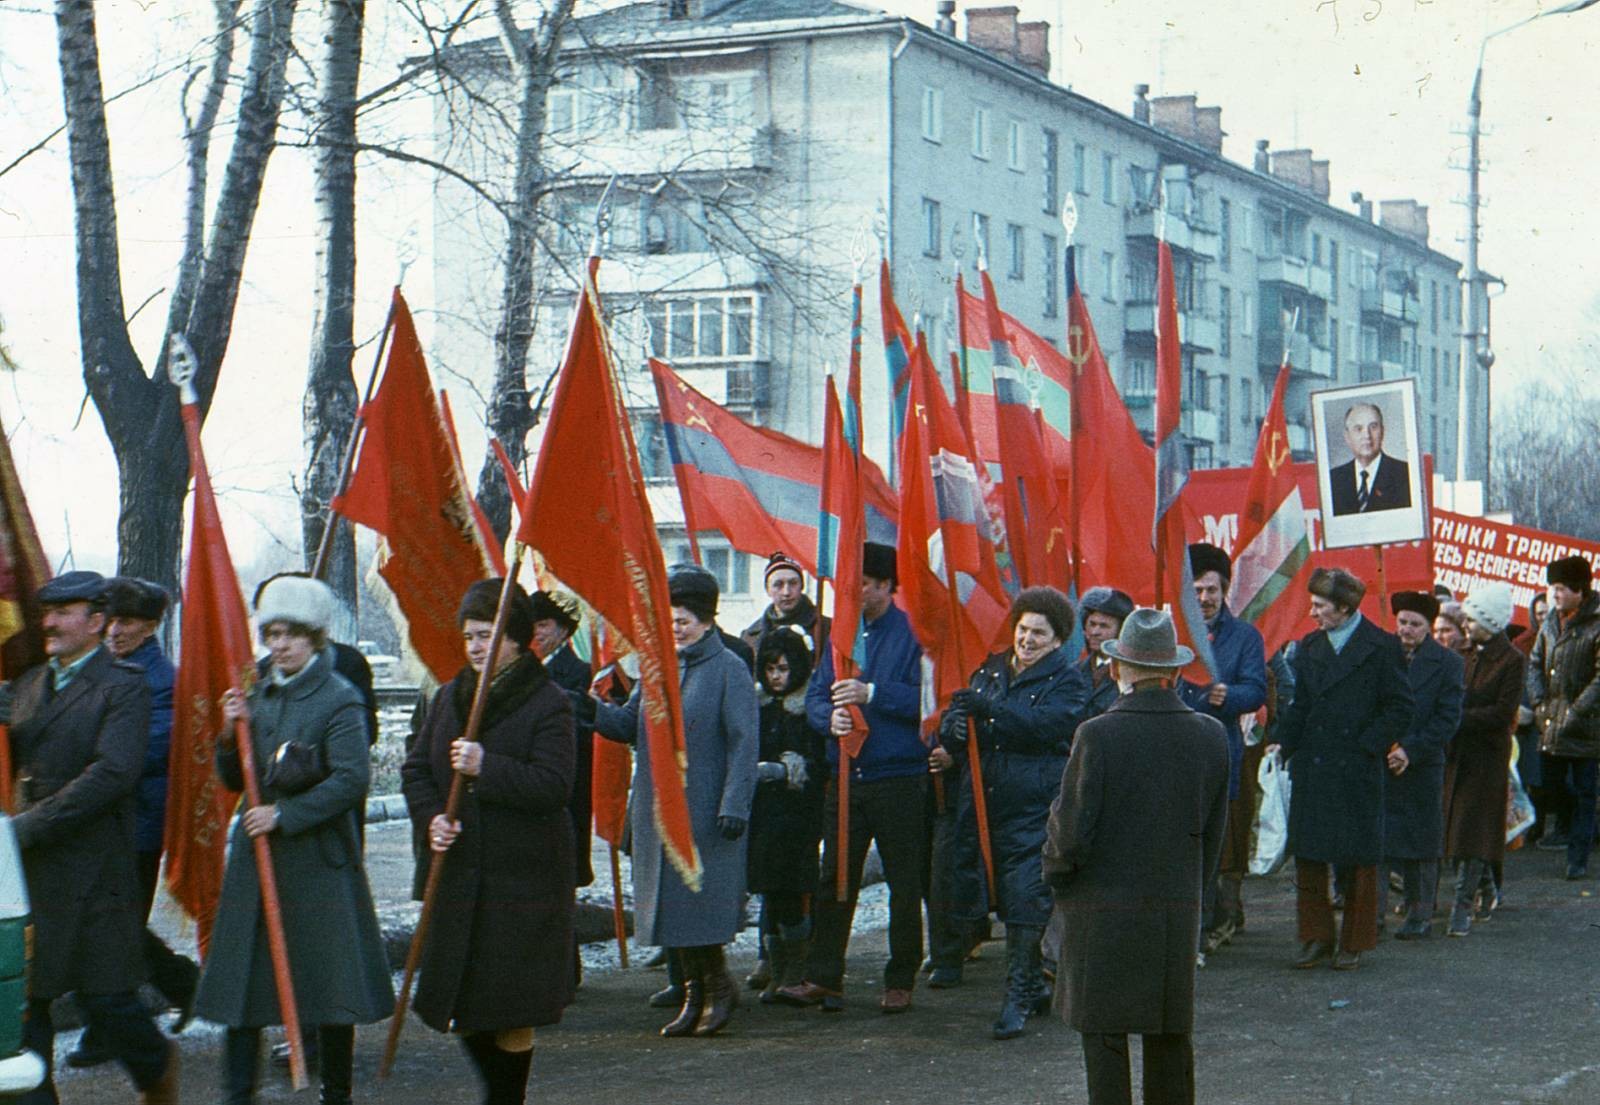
1379	87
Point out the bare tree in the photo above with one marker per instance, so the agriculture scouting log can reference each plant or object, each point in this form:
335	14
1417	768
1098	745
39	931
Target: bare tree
329	407
139	409
1544	468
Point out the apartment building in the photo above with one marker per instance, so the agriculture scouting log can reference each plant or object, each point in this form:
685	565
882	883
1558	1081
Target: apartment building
761	148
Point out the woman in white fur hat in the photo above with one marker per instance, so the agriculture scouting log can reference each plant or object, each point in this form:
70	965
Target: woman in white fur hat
1477	767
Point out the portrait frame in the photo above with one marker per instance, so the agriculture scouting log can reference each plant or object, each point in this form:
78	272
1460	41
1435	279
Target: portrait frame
1393	508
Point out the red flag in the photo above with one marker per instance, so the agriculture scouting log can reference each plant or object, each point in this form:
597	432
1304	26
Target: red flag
612	769
1036	526
408	486
215	655
588	515
1273	551
1113	471
1174	581
23	570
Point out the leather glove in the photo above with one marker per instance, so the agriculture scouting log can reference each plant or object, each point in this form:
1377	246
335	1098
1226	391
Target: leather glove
731	828
973	703
768	771
794	769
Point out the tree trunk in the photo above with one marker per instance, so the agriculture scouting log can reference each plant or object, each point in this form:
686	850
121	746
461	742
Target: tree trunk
140	411
329	407
510	414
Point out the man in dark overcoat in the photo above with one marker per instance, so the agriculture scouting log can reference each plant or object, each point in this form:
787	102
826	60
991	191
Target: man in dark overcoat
1239	689
79	727
1352	704
1413	797
1133	836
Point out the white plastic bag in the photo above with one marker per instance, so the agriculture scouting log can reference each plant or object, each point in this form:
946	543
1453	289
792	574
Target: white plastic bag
1272	819
1520	814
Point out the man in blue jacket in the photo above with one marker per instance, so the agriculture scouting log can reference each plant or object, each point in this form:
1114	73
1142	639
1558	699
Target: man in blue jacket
1240	688
888	781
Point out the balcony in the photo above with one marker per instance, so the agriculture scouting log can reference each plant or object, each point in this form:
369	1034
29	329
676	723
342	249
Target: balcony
1388	303
743	385
1191	236
1196	331
1305	356
1292	271
679	151
1320	282
1373	371
1201	425
1299	440
661	273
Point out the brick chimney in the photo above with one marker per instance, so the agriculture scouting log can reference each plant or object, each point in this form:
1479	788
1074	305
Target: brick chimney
994	30
1319	180
1406	217
1181	116
1208	130
1033	47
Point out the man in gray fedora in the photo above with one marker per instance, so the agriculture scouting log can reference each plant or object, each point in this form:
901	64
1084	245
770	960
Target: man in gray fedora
1133	838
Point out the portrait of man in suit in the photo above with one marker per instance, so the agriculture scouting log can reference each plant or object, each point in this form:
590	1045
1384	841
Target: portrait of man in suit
1371	480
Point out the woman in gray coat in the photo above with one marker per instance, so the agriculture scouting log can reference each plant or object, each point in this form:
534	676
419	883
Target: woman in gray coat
721	738
336	959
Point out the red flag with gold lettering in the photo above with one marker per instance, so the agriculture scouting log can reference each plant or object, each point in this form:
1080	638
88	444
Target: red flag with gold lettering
214	655
23	569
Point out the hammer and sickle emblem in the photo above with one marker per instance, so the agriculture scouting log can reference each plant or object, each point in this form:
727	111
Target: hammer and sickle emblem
1277	451
695	419
1077	347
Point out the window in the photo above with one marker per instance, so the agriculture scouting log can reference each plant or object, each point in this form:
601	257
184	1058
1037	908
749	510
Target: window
1080	169
1014	145
1369	343
980	133
1369	271
1316	249
1140	377
1350	265
1333	266
932	113
654	462
1247	229
1108	178
562	111
1052	279
1246	401
731	568
1247	317
1433	371
1050	155
1225	322
1225	234
1433	300
1015	244
1108	275
980	237
1224	423
1333	337
931	231
705	328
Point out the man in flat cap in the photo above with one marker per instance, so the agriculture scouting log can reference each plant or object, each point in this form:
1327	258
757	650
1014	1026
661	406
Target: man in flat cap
1133	838
785	583
1240	688
1103	610
887	800
1352	704
1413	796
134	609
80	724
1564	690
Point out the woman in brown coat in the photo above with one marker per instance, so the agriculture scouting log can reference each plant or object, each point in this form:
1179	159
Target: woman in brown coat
498	960
1477	768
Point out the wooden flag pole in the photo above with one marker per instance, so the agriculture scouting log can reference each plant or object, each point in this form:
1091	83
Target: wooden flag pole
617	920
181	370
1383	587
430	895
331	524
980	800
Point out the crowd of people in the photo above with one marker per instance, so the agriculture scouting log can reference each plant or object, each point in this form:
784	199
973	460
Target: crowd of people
1083	789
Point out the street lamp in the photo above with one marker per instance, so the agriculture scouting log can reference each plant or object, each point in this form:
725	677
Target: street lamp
1475	335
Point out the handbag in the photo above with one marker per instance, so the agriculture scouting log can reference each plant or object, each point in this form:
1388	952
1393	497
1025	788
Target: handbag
296	768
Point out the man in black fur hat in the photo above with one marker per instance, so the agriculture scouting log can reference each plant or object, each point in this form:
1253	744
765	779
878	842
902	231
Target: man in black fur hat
1564	690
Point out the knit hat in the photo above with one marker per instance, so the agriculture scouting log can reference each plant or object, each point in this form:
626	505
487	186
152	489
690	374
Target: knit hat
1337	586
1490	606
1108	601
298	600
1205	558
482	602
1418	602
878	562
781	561
1572	571
127	597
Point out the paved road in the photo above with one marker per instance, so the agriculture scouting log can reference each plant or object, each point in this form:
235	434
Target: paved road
1507	1015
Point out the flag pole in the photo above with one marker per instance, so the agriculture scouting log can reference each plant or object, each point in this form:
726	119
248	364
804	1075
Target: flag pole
1069	282
618	922
430	895
980	801
181	370
690	524
330	525
1383	587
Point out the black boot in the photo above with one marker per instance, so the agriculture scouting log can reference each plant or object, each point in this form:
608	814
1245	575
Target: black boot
1024	978
176	976
722	995
241	1060
504	1073
694	993
337	1045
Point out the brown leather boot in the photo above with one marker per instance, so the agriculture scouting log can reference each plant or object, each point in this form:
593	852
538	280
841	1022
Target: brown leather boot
694	994
165	1090
722	996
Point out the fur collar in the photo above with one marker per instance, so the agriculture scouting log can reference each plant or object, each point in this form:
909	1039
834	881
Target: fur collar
509	691
793	703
